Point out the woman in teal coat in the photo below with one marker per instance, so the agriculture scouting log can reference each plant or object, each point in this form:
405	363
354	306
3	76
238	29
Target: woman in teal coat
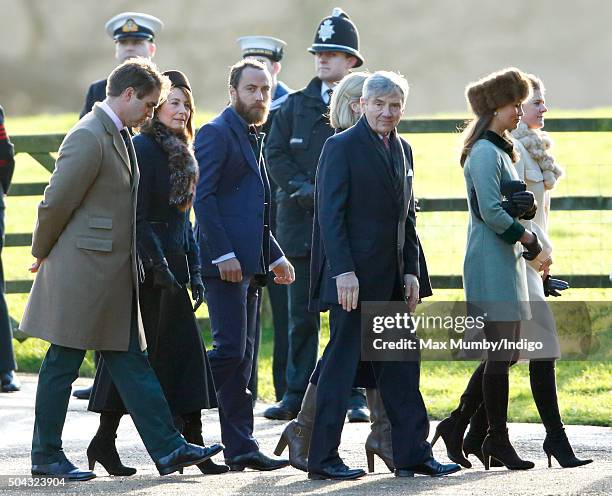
494	276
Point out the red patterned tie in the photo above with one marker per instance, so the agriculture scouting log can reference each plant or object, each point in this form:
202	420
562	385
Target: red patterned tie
385	140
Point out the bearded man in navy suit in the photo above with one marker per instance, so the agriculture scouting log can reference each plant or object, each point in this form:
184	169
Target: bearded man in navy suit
237	251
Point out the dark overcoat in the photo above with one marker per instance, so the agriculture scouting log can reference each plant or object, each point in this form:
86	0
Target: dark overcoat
367	224
175	346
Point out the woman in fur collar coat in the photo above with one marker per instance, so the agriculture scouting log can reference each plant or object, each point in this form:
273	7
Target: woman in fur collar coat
170	259
537	167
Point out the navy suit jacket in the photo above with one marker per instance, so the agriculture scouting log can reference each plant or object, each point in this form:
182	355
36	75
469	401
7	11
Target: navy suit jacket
362	223
232	204
95	93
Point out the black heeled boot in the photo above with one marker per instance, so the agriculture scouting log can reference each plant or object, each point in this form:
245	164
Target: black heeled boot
544	390
452	428
192	432
497	444
102	447
472	443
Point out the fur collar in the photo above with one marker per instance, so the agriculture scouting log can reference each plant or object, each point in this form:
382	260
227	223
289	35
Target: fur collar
538	144
181	162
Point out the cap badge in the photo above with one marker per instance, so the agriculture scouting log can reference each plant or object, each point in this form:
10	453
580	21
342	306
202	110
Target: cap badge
130	26
326	31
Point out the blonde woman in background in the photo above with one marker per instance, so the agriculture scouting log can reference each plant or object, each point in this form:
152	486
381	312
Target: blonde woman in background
538	169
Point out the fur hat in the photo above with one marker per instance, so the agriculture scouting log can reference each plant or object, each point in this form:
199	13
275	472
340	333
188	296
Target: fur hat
496	90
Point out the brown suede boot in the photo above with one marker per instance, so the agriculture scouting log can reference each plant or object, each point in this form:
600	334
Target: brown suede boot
296	434
379	439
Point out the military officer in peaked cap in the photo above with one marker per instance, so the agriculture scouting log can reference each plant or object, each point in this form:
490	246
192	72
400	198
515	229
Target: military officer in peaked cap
296	139
134	35
269	51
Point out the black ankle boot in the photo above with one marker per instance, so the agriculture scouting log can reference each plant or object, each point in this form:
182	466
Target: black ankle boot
192	432
103	450
497	445
102	447
472	443
452	428
557	445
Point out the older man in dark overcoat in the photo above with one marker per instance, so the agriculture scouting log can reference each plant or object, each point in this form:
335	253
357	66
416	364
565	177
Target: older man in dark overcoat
365	248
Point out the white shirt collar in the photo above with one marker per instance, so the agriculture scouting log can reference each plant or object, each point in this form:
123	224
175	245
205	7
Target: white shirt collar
110	112
324	95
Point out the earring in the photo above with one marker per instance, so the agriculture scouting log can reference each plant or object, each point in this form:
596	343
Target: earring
495	113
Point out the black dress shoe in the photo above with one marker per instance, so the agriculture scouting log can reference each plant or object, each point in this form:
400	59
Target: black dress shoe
62	470
185	456
280	411
428	467
9	383
255	460
358	414
336	472
82	394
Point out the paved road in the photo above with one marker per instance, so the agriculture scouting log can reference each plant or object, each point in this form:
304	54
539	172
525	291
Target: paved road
16	420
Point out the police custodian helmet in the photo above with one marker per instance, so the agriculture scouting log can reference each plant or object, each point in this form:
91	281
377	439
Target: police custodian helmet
337	33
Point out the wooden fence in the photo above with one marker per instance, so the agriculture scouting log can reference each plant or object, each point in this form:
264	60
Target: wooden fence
41	147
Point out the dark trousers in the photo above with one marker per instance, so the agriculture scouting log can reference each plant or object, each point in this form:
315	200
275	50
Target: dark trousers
233	315
254	380
137	385
7	358
279	301
303	335
398	383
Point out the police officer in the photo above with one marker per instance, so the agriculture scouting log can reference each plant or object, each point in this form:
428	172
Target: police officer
269	51
298	133
134	35
8	382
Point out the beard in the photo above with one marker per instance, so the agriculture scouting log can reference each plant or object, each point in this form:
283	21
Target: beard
255	114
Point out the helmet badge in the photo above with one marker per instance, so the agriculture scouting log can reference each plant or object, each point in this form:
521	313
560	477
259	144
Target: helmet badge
326	31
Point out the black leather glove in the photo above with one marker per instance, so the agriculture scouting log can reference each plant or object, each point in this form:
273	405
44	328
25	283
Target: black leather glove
520	205
197	288
523	200
304	194
163	278
526	201
532	249
553	286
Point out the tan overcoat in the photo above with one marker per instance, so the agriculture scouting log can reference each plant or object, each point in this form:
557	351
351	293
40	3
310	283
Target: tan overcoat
85	232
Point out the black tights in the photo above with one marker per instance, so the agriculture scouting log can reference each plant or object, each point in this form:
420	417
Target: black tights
109	423
499	361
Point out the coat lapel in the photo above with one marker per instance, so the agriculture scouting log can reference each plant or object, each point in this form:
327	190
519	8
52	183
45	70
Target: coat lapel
382	163
118	142
406	189
238	128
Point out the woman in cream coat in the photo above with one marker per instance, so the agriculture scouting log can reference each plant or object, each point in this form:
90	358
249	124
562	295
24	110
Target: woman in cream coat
538	169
